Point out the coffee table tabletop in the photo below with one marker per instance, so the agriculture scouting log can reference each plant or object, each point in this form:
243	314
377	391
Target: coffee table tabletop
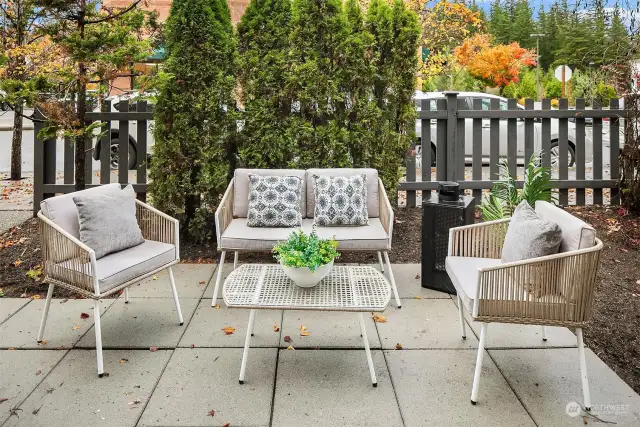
346	288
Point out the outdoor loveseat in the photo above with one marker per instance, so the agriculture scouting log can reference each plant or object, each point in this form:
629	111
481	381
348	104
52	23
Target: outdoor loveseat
233	233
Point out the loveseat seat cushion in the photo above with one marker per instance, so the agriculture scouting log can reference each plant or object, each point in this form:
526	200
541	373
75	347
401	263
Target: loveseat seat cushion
240	237
241	188
372	187
120	267
62	209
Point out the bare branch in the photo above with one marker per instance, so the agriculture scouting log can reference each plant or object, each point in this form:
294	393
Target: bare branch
110	16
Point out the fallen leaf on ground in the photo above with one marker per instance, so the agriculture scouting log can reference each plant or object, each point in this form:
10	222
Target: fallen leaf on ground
227	425
290	348
135	402
417	276
3	399
38	372
287	338
76	327
304	334
211	413
418	297
11	348
84	316
193	346
36	296
153	348
123	361
398	346
17	263
201	282
276	328
217	306
379	318
43	342
228	330
303	328
155	277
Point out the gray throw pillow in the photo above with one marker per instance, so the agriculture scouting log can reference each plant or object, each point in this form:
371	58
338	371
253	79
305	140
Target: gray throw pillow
274	201
340	200
108	221
529	236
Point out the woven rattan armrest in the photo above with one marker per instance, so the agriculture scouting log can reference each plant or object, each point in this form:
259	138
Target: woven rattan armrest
224	213
67	261
483	240
554	290
158	226
386	212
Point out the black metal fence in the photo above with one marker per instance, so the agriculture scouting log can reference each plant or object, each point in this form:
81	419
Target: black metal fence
462	130
117	132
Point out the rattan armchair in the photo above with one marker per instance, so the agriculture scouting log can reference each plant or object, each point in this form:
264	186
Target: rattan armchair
72	265
555	290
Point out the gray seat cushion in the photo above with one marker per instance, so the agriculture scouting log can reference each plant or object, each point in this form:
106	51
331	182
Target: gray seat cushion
373	206
463	272
63	212
241	188
240	237
576	234
120	267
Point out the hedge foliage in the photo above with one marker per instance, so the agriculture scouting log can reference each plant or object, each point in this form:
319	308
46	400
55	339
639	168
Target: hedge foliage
321	83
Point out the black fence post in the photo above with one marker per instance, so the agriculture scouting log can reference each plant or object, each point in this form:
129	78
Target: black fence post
451	149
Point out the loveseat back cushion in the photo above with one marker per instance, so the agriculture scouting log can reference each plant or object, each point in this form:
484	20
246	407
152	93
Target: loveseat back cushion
372	187
241	188
62	209
274	201
576	234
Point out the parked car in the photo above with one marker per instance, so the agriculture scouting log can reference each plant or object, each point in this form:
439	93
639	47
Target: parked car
468	98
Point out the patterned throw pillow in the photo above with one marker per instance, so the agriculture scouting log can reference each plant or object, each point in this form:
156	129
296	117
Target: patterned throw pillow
341	200
274	201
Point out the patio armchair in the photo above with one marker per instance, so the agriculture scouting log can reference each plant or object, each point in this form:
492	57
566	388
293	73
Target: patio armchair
554	290
72	265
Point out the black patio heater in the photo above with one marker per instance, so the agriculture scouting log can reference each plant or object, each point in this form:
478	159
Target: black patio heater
440	212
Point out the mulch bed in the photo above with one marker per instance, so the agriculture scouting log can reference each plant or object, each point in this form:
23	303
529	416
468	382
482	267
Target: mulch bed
613	332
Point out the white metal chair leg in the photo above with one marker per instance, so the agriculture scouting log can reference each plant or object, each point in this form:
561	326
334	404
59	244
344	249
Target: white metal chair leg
235	260
247	341
175	296
45	312
126	295
463	330
392	280
476	375
98	329
544	333
380	261
363	331
218	279
583	371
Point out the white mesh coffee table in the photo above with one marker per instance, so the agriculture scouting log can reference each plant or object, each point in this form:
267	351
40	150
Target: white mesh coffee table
347	288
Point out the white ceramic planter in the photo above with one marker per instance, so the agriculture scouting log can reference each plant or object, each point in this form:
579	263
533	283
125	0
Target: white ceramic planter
304	277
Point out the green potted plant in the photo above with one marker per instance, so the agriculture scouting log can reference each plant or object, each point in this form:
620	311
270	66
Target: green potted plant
305	258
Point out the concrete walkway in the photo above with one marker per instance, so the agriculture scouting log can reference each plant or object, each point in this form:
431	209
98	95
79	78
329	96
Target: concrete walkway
192	379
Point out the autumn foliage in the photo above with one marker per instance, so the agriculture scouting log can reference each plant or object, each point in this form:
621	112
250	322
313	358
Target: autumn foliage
495	64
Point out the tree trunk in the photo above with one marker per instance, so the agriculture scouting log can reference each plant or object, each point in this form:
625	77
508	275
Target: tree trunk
16	143
81	110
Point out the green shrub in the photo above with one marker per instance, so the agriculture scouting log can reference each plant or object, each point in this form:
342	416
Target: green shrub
553	88
604	93
527	85
302	250
194	121
510	90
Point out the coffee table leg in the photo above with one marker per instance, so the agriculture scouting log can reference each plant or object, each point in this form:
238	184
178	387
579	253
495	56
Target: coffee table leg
363	330
247	341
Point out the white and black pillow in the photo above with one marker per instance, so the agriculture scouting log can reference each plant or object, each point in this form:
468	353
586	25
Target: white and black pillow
340	200
274	201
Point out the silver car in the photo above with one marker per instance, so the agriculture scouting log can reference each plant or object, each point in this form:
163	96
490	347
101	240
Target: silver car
469	98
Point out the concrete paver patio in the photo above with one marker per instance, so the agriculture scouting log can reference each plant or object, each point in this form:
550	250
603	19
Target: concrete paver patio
324	381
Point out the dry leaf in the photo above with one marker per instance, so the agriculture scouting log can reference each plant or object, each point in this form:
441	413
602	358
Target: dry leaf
303	328
290	348
201	282
13	348
227	425
84	316
217	306
36	296
417	276
287	339
38	372
155	277
398	346
276	328
43	342
17	263
228	330
419	297
153	348
211	413
379	318
123	361
76	327
304	334
135	402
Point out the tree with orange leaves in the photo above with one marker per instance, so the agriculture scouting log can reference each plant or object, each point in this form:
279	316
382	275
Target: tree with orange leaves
495	64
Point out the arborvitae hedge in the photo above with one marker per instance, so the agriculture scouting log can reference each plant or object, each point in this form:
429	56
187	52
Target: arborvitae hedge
194	116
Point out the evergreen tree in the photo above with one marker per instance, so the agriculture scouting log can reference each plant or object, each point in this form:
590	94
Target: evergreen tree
263	67
396	32
318	30
522	24
194	114
499	23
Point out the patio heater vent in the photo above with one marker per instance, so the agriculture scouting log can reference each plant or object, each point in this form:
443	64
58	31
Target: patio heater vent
440	212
